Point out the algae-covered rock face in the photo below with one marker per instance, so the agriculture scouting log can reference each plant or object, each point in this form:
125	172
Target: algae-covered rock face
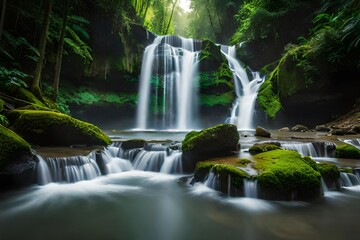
12	147
49	128
347	151
284	174
219	140
330	172
264	147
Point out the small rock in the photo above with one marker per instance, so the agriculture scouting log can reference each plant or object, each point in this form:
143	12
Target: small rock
262	132
322	128
284	129
356	128
338	132
299	128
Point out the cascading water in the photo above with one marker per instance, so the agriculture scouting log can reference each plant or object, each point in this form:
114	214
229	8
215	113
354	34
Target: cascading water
250	189
114	159
312	149
168	84
242	113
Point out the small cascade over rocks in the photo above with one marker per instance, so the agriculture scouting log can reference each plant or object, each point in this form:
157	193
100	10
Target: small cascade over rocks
312	149
349	179
242	113
110	160
250	188
70	169
355	142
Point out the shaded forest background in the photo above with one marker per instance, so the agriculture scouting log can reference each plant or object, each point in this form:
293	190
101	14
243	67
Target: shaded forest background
83	57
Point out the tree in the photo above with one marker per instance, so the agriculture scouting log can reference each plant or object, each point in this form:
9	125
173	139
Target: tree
171	16
35	86
60	52
2	18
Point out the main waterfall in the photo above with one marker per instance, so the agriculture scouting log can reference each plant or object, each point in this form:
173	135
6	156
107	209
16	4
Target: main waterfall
168	84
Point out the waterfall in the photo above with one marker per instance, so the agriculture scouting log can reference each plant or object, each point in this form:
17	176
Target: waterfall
168	84
349	179
250	188
355	142
305	149
242	113
110	160
212	181
43	171
312	149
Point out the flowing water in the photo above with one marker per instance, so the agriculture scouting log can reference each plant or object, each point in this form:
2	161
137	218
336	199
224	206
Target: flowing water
147	205
131	204
246	90
168	84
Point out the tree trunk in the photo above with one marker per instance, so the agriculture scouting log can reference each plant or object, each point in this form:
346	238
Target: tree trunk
35	86
171	16
146	9
60	52
210	19
2	18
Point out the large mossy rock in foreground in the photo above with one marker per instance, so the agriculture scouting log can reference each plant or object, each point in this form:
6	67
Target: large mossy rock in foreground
55	129
12	147
216	141
284	174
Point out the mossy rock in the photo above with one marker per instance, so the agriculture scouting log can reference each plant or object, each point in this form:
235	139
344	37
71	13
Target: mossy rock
311	163
329	171
347	151
210	56
268	100
215	141
224	173
133	143
55	129
284	174
12	147
264	147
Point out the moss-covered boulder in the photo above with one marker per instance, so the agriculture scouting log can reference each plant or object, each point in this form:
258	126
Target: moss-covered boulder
46	128
219	140
284	174
347	151
329	171
264	147
223	174
12	147
210	56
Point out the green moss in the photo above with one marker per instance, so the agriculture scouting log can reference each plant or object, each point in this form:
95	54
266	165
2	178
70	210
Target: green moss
4	121
268	100
220	137
345	169
263	147
2	103
237	175
223	170
12	146
311	162
49	128
224	99
28	96
285	171
347	151
243	162
210	51
202	169
329	171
